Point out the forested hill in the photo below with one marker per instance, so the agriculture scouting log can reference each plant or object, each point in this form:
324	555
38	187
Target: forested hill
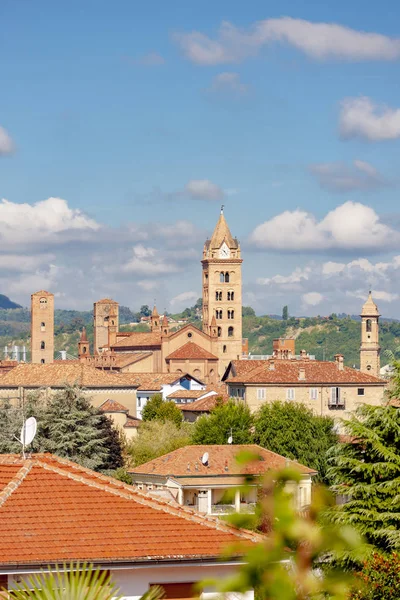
5	302
321	336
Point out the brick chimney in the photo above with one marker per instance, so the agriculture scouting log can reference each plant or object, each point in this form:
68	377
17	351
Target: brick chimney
302	374
339	359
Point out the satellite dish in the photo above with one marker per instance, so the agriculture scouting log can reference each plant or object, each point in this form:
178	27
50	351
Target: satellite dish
230	439
204	458
28	431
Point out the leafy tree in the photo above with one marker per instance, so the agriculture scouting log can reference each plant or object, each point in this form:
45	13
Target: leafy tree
161	410
145	311
291	429
155	438
247	311
285	313
232	418
379	578
366	471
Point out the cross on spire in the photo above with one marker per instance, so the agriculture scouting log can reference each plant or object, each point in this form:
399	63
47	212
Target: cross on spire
222	209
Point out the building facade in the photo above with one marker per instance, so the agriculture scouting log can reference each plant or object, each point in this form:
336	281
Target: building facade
42	327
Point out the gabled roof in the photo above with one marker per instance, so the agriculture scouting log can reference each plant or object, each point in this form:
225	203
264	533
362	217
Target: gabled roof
280	371
113	406
132	422
42	293
54	511
58	374
202	405
152	382
192	351
189	327
123	359
186	394
139	339
186	462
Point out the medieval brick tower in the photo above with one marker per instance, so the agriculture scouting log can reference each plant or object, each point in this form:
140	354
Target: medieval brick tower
370	348
222	291
42	327
105	316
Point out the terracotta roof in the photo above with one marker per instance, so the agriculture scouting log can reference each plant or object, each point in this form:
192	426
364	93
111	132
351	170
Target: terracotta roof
176	463
203	405
139	339
186	394
53	511
106	301
288	372
113	406
192	351
222	233
132	422
151	382
123	359
60	373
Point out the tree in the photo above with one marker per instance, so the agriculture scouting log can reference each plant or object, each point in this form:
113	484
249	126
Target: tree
113	443
247	311
151	408
155	438
285	313
366	470
145	311
232	418
379	578
291	429
158	409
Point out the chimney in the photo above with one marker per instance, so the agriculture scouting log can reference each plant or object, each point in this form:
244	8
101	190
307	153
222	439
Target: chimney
339	359
303	353
302	374
272	365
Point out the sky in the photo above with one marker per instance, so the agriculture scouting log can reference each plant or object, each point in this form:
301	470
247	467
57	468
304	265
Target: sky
125	125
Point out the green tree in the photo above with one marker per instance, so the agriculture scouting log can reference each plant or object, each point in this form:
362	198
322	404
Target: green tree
158	409
155	438
285	313
379	578
366	471
113	443
291	429
145	311
232	418
247	311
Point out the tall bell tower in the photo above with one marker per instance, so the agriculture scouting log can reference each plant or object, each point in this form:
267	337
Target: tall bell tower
370	349
222	291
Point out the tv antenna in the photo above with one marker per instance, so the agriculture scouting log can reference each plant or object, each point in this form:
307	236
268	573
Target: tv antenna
204	459
230	438
28	433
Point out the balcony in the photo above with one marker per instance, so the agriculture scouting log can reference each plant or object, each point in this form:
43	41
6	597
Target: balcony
226	509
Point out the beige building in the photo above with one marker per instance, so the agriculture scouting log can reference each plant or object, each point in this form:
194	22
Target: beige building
42	327
370	349
208	478
327	388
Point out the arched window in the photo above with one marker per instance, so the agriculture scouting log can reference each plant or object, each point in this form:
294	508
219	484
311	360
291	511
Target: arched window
369	325
226	277
42	345
106	319
211	372
42	326
232	314
219	331
224	348
218	314
218	295
230	331
42	361
43	302
222	277
231	296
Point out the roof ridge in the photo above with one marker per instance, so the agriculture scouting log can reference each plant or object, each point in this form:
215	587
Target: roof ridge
15	481
140	497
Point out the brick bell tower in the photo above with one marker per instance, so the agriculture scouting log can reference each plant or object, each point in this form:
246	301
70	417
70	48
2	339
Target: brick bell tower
222	292
370	349
42	327
105	316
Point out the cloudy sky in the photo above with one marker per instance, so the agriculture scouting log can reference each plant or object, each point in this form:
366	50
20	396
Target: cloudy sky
125	125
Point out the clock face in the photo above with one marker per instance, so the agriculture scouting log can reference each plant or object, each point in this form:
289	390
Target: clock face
224	251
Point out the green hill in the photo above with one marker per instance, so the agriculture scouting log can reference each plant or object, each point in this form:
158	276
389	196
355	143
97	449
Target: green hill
5	302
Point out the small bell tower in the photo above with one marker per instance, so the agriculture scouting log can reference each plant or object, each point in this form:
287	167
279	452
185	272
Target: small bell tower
370	349
155	324
83	346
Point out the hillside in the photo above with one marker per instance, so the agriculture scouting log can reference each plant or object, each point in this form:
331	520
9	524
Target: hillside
5	302
321	336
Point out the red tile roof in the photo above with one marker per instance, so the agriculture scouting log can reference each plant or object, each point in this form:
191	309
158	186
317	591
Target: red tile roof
106	301
112	406
203	405
186	394
139	339
288	372
152	382
132	422
192	351
222	461
54	511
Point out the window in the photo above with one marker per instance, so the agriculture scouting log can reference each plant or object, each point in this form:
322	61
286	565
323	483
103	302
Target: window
189	334
231	295
176	591
42	345
42	326
106	319
139	402
336	397
313	393
360	392
43	302
226	277
231	314
368	325
290	394
261	393
219	331
42	361
230	331
218	314
218	295
224	348
3	585
236	392
222	277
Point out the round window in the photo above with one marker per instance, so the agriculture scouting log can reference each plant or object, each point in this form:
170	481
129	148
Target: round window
190	334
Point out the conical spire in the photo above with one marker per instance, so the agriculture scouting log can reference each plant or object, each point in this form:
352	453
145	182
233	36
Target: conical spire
155	312
213	322
83	335
370	309
165	321
222	233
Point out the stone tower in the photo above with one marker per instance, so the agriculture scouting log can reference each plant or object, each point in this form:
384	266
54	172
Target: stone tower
83	345
155	323
105	314
370	348
222	292
42	327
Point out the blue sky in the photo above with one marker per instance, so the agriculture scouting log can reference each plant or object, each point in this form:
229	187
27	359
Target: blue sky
140	119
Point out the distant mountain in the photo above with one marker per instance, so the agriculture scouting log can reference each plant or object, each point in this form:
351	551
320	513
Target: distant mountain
7	303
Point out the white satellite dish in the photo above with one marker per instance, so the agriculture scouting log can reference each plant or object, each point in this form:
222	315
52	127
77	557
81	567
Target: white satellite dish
230	439
28	431
204	458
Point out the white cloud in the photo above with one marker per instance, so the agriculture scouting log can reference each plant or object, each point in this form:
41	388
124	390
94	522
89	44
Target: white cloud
380	295
297	276
184	299
24	263
332	268
6	143
362	118
34	223
320	41
203	189
148	262
312	298
339	177
230	83
351	226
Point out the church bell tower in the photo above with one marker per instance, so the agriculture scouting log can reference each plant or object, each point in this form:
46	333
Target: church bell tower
370	349
222	292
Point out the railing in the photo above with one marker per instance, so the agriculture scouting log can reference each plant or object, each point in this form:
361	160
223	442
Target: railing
222	509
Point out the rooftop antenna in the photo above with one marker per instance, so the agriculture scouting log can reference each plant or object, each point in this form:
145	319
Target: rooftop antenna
230	438
204	459
28	433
